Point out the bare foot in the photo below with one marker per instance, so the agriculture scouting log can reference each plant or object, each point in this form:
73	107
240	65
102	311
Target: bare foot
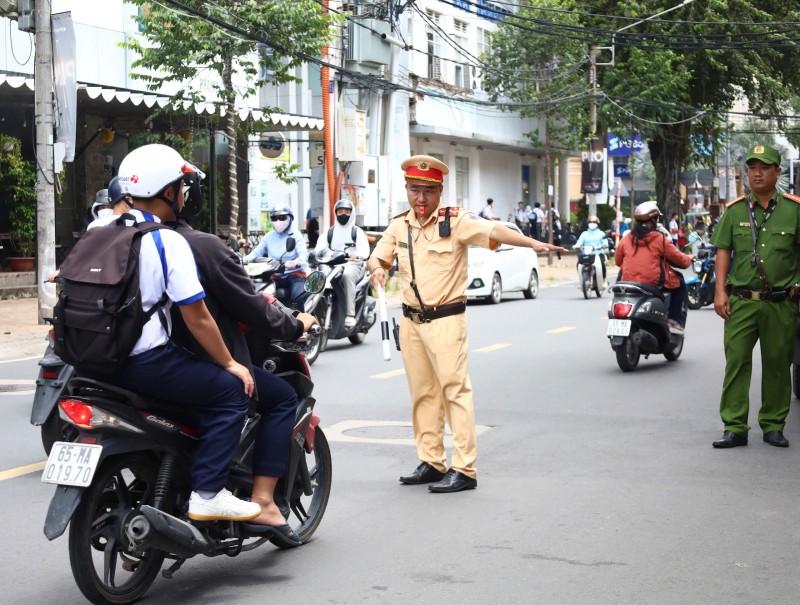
270	513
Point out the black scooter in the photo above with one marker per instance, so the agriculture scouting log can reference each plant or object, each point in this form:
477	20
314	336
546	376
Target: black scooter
637	325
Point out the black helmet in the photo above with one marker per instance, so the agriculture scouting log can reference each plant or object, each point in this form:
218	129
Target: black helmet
117	190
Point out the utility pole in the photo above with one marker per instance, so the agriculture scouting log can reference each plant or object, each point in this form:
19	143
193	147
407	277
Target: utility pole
45	177
591	198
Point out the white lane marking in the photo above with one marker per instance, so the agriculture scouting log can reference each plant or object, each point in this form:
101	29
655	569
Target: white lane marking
14	382
20	359
337	432
490	348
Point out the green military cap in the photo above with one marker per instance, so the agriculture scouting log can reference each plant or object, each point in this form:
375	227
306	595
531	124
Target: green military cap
765	153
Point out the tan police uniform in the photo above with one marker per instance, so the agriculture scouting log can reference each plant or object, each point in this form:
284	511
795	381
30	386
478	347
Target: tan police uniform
435	352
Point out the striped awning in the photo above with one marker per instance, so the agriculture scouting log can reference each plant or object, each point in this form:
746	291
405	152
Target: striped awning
285	120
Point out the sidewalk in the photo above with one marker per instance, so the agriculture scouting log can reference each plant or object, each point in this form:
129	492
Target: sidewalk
21	335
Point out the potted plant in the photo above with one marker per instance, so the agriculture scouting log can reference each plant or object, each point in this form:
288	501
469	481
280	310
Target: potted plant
18	187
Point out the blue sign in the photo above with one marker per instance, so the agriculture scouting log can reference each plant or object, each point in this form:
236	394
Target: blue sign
619	147
621	170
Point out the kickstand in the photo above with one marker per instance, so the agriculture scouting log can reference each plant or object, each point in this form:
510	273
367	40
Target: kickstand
168	573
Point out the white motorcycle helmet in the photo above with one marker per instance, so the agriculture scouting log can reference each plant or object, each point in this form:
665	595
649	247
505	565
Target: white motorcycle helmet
147	171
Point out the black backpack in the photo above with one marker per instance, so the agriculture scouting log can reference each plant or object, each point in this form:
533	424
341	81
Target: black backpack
99	317
353	234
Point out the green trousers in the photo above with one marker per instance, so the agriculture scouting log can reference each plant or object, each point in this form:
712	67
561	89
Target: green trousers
774	324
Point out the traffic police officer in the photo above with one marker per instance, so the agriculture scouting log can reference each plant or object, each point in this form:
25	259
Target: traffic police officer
761	232
430	243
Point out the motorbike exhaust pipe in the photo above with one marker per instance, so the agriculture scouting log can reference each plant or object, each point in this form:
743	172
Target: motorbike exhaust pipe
156	529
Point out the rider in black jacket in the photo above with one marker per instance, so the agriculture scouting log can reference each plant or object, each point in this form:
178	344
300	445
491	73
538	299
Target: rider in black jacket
231	298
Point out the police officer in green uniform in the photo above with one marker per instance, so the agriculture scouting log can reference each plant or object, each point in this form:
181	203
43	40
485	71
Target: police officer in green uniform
758	240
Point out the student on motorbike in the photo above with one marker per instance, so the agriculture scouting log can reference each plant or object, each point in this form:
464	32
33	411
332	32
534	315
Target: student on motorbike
273	245
219	393
647	256
595	238
231	298
345	236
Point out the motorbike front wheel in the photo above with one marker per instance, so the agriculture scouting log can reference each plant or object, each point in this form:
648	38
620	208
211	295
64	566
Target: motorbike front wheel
105	570
627	355
693	294
586	284
307	510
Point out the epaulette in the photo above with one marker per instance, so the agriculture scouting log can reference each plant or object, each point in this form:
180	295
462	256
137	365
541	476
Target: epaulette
454	210
794	198
731	203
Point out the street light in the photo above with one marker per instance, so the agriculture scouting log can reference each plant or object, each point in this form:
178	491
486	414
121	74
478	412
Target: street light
634	24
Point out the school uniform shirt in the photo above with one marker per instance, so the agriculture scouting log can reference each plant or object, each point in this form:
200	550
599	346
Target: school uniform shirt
166	264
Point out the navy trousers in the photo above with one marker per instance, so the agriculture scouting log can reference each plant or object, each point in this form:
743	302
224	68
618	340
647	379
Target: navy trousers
277	404
170	373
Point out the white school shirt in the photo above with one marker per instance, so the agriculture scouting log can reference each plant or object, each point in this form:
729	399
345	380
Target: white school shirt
177	265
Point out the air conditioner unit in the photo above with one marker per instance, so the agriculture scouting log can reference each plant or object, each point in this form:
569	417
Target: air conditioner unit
8	8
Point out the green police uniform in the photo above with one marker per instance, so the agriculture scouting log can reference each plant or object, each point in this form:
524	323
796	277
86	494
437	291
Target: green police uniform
773	323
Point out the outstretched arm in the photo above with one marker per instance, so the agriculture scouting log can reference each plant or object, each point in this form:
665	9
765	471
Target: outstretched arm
504	235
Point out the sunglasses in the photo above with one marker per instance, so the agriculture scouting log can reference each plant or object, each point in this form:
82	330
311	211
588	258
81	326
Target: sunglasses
279	217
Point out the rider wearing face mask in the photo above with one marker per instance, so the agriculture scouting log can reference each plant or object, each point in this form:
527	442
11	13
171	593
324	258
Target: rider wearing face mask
273	245
595	238
345	236
647	257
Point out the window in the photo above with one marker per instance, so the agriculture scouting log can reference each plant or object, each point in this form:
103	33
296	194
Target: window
434	56
460	71
462	181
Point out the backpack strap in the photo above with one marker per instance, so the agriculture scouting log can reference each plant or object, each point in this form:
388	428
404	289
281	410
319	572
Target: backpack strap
330	236
152	227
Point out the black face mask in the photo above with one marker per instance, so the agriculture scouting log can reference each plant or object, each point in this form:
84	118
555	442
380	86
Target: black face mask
342	219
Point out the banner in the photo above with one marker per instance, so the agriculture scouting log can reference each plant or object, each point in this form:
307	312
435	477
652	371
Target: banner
619	147
592	164
66	84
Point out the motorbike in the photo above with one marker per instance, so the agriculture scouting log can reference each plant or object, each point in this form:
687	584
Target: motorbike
261	271
123	487
590	270
700	287
328	306
637	325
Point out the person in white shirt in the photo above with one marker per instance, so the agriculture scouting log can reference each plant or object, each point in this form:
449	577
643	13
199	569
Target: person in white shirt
340	237
488	211
155	177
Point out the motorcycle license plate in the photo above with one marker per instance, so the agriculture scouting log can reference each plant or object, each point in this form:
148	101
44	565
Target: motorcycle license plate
619	327
71	463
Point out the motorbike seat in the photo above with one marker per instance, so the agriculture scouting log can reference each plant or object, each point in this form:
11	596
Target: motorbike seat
629	287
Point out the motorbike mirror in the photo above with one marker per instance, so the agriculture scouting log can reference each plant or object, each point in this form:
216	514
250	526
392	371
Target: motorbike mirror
290	244
315	282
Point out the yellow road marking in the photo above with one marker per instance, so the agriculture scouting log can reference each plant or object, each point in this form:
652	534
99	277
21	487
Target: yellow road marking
491	348
561	330
21	470
390	374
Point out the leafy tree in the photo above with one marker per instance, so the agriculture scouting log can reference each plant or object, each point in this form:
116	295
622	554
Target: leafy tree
725	50
199	54
542	71
18	186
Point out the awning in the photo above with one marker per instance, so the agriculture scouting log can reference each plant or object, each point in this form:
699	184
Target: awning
149	100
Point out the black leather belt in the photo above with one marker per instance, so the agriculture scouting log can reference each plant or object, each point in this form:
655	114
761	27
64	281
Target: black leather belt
431	313
759	295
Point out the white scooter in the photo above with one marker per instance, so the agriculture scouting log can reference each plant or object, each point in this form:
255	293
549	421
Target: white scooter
590	270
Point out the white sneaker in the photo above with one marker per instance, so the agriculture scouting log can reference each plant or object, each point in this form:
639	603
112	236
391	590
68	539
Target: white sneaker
675	327
222	507
349	322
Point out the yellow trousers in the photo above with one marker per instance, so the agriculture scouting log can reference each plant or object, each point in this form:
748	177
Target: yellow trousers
435	359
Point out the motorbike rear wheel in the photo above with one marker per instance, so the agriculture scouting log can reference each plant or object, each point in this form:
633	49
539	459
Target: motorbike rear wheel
675	352
693	294
627	355
98	550
307	511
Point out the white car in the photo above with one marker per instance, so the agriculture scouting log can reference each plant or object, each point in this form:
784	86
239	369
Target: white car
507	269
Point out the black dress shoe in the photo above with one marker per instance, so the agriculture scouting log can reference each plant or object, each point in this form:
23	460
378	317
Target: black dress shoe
776	438
453	481
731	439
424	473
